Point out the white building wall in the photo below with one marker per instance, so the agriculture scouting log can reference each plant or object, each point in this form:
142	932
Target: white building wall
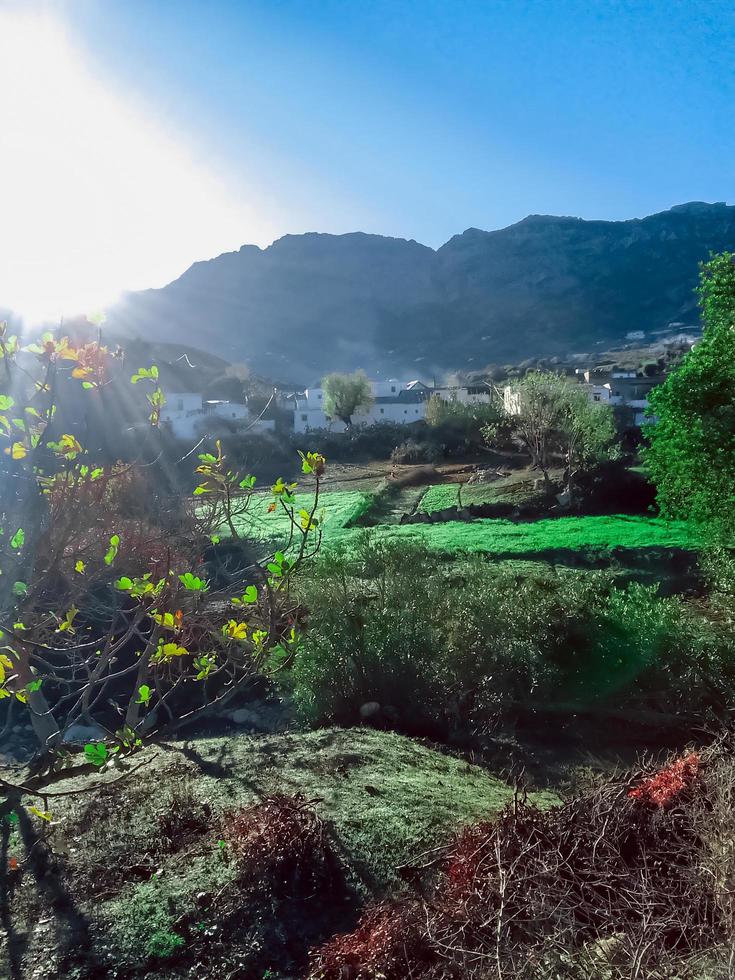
226	410
511	401
181	413
186	414
309	411
599	393
463	395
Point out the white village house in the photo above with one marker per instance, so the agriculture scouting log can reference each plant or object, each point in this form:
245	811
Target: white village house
187	415
400	402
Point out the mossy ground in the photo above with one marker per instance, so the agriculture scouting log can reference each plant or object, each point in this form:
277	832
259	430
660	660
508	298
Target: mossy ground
155	893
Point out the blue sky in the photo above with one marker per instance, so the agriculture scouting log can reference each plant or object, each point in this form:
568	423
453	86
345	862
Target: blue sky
420	119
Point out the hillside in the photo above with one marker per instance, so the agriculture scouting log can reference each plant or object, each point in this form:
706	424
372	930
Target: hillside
546	285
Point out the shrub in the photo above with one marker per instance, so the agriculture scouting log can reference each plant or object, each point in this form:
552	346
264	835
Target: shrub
388	943
461	649
104	576
163	945
601	886
282	844
411	451
365	442
371	637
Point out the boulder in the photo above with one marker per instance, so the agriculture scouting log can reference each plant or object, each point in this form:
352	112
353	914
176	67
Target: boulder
370	711
81	734
244	716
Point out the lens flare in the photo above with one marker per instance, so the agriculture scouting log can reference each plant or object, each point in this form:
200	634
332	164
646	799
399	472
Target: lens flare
95	195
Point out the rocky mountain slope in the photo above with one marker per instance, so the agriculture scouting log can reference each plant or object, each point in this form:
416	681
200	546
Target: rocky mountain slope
546	285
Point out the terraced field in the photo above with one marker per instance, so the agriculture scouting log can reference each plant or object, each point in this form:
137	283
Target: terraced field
337	510
600	535
555	539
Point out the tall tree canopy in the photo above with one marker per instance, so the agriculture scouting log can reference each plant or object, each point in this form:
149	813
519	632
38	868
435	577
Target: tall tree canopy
691	451
345	394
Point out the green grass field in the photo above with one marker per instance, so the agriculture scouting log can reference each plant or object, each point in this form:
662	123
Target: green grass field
337	510
443	495
506	538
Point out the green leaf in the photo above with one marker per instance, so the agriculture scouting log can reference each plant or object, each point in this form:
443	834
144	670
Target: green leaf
20	588
124	584
193	583
6	403
145	374
113	549
97	753
18	539
144	694
250	595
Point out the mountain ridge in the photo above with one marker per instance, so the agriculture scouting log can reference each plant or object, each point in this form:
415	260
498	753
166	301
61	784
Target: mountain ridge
544	285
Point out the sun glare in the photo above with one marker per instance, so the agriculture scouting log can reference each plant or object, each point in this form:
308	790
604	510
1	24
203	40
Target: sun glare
95	197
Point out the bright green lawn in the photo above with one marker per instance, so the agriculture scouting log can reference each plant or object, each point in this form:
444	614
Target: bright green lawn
507	490
444	495
599	534
337	509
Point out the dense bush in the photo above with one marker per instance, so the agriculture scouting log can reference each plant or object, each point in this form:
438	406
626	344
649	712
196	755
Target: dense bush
456	428
371	637
364	442
463	646
411	451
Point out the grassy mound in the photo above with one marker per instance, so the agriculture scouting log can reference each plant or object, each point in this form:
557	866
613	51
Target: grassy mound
143	876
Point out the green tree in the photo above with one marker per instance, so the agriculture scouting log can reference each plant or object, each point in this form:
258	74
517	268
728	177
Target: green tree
691	450
587	433
345	394
552	416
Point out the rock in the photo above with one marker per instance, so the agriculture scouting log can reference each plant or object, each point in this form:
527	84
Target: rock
84	733
564	498
244	716
370	711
